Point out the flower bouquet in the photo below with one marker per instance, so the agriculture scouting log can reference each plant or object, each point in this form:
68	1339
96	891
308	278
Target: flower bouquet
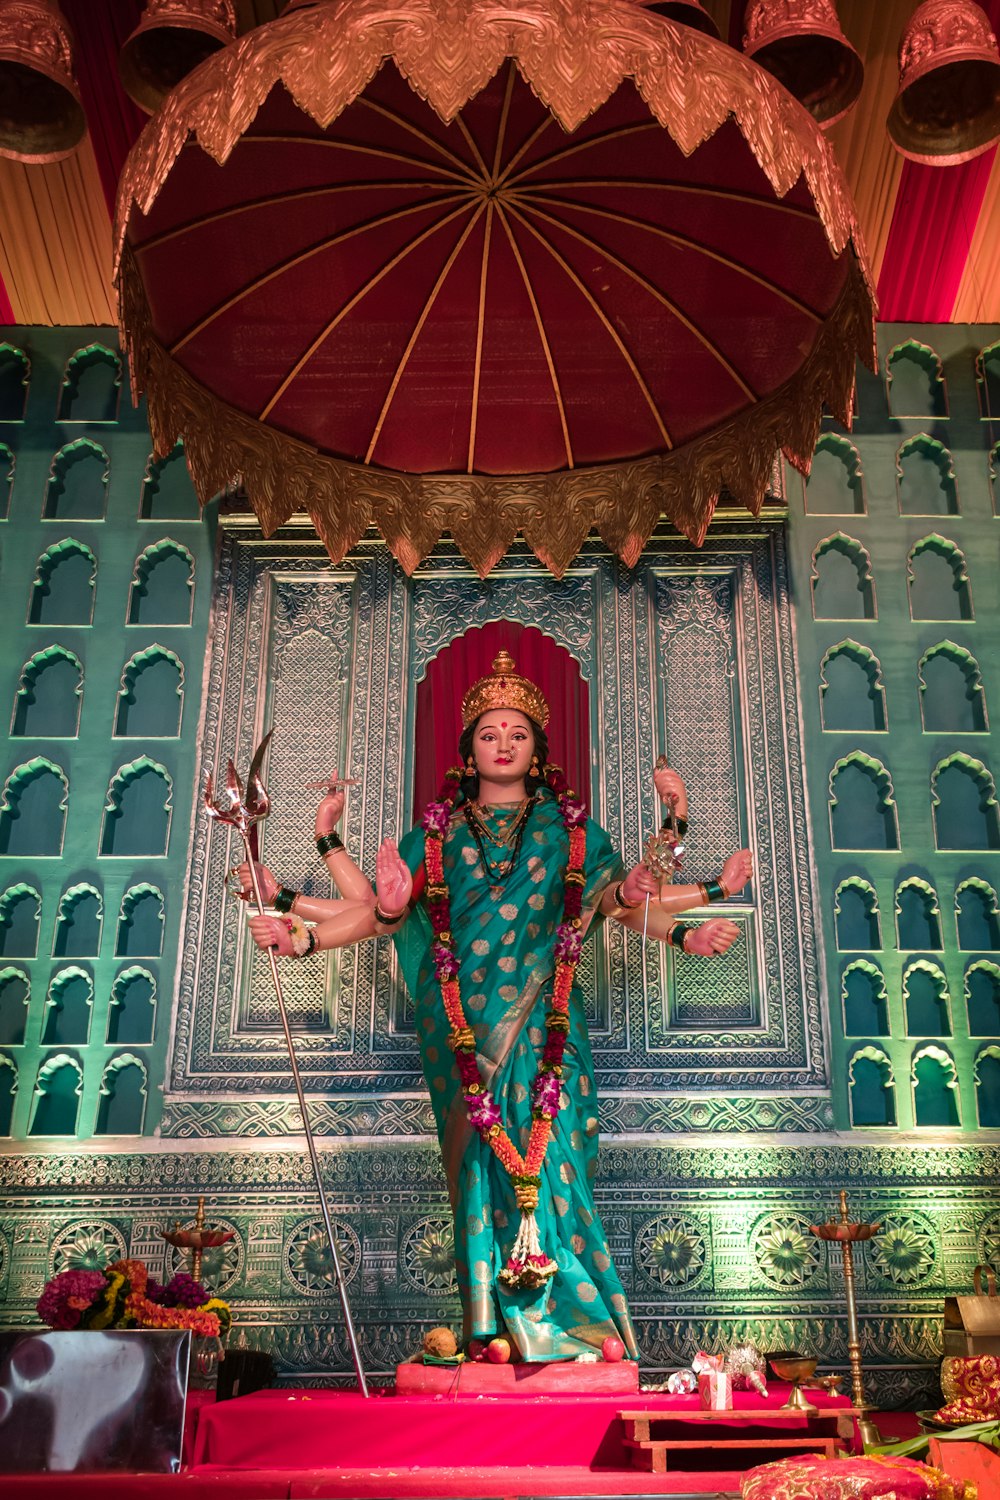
124	1295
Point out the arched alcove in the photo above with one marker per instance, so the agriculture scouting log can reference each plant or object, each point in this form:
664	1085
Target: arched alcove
986	1075
56	1104
62	592
926	1002
952	698
79	923
856	914
132	1011
964	804
851	692
918	916
78	483
123	1097
137	810
33	811
862	808
843	587
162	591
468	657
835	486
938	582
15	377
871	1088
151	696
91	386
935	1088
982	998
988	382
925	478
977	915
140	923
865	1001
69	1007
8	469
8	1093
20	912
15	997
49	695
167	491
914	381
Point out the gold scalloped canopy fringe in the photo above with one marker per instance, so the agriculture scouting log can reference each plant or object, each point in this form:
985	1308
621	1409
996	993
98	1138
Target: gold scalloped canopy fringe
573	53
553	512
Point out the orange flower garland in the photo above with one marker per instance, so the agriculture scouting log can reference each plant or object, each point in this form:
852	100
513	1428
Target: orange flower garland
527	1265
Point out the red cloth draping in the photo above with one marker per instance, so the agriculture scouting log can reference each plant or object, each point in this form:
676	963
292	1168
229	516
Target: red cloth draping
114	121
933	223
341	1430
6	311
469	657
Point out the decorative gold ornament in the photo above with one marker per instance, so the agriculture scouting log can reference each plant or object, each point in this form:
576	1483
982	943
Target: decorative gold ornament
685	12
504	688
802	44
172	38
947	109
41	117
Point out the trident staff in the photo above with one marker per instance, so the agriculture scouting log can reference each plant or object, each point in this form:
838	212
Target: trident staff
243	811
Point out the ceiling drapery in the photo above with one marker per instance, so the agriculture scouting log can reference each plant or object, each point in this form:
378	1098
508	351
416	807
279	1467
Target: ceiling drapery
595	284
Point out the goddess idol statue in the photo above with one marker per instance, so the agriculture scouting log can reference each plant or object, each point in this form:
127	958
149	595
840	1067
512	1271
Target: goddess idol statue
489	900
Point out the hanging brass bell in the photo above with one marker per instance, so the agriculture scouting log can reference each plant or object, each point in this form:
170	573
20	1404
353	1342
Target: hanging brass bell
687	12
172	38
802	44
41	117
947	109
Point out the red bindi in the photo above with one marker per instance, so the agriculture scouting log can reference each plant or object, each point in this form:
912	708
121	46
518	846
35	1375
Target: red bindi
503	723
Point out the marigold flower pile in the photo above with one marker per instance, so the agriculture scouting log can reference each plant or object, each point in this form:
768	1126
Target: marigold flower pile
527	1265
124	1295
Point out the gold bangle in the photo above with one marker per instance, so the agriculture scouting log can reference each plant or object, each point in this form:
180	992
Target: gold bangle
706	899
618	896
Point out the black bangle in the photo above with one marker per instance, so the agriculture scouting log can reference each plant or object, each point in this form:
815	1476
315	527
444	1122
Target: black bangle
313	943
283	899
618	896
383	918
676	825
677	934
329	843
715	891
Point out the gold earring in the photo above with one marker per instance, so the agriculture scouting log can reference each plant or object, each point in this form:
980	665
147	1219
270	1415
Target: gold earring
534	764
470	765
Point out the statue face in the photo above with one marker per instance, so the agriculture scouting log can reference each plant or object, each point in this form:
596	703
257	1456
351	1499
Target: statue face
503	745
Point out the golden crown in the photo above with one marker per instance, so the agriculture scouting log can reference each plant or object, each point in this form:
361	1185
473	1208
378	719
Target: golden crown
504	688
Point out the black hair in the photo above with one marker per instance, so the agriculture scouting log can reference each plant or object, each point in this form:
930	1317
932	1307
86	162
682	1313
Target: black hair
534	778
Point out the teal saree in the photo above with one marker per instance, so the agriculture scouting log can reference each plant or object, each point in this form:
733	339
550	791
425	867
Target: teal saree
504	939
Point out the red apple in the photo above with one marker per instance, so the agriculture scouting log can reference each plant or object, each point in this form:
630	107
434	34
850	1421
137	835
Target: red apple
498	1351
476	1349
613	1350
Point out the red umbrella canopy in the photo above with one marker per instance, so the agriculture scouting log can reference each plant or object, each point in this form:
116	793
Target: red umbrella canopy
486	267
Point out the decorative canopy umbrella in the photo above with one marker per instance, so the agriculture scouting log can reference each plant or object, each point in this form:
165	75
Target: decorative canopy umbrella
481	267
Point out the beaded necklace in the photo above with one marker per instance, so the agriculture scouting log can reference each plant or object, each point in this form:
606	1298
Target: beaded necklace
527	1265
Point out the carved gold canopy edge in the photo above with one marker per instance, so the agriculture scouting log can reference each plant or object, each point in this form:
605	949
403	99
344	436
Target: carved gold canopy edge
553	512
574	54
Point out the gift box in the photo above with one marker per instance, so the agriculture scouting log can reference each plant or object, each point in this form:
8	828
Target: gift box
716	1390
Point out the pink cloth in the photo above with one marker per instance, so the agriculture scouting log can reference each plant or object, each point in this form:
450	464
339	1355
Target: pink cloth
324	1429
843	1479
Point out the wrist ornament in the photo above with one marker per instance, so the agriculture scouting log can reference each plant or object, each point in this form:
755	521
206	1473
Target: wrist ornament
328	843
283	898
620	899
302	938
677	934
715	890
384	919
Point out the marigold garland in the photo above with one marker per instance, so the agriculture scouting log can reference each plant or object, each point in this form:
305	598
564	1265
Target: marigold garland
527	1265
122	1297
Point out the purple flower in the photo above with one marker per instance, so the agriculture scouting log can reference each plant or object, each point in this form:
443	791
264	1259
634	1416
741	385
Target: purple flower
68	1296
573	814
184	1291
545	1094
445	962
483	1111
568	943
437	816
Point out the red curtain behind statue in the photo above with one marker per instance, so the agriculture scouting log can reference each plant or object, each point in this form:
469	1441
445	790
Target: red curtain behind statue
469	657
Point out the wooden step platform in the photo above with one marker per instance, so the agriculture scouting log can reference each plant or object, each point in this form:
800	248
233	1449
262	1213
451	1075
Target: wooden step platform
652	1437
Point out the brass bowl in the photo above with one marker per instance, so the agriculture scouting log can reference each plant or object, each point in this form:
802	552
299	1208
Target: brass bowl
793	1368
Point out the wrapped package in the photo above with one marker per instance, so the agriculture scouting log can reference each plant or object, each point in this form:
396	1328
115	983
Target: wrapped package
715	1389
